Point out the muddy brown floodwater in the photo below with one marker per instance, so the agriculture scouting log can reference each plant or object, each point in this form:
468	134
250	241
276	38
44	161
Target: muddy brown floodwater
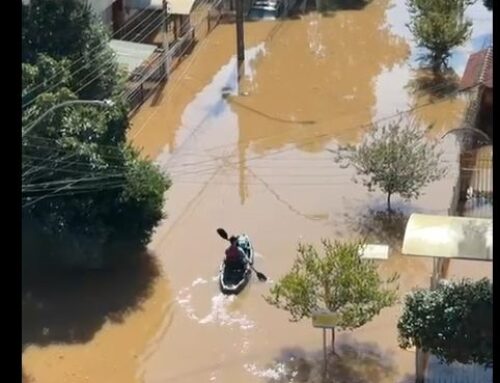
258	164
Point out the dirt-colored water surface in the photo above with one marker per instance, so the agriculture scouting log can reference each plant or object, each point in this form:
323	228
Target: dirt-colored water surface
258	163
93	327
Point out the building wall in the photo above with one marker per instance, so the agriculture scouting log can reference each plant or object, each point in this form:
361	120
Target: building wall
485	117
102	8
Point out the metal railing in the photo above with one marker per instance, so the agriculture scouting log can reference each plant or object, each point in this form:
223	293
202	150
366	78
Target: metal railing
147	78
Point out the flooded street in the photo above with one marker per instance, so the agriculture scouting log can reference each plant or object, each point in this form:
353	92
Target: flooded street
258	163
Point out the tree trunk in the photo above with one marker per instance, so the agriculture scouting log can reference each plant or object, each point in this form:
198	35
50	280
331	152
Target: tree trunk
389	202
436	68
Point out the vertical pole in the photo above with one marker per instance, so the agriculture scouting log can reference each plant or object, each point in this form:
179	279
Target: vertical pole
165	37
324	354
421	361
240	39
176	32
439	271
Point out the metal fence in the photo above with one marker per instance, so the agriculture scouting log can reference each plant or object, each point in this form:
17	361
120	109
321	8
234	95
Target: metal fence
457	373
476	170
144	80
147	78
458	379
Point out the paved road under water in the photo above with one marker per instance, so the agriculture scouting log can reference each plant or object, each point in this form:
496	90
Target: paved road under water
258	164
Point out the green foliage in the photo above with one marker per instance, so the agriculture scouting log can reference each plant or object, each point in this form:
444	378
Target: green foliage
439	26
109	194
68	30
453	322
142	197
83	188
339	282
45	72
398	158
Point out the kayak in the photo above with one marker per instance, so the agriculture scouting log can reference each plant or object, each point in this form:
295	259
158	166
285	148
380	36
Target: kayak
233	281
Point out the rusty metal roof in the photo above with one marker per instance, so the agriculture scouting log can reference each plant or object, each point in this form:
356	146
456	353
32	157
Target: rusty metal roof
479	70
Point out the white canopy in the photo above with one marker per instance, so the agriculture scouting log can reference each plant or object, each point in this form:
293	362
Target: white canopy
449	237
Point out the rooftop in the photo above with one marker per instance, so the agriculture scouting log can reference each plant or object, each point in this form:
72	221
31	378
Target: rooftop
479	70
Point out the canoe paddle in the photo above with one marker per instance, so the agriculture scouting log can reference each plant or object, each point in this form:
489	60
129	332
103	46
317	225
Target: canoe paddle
223	234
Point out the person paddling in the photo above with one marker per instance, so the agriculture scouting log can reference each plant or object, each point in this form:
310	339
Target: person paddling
235	256
234	242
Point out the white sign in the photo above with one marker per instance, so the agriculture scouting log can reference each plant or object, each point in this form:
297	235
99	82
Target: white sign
380	252
324	319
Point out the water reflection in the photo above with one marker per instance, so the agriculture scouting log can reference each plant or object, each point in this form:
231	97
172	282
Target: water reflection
335	90
482	23
396	87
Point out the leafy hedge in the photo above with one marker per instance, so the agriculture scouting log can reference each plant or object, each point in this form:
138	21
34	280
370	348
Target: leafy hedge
453	322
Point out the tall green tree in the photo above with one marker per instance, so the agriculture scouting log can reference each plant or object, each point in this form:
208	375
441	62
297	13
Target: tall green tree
453	322
439	26
84	187
397	158
338	281
68	30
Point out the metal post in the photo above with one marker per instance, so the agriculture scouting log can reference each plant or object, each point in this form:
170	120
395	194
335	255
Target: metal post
422	357
176	29
165	37
240	39
421	365
324	354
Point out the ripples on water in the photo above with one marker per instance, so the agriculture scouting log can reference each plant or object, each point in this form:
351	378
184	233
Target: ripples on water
277	372
220	310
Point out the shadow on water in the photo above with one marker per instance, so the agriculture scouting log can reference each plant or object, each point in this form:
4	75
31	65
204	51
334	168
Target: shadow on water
158	93
26	378
329	7
71	307
357	362
376	225
435	86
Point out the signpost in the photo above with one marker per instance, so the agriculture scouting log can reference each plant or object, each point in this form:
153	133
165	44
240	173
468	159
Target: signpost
324	320
328	320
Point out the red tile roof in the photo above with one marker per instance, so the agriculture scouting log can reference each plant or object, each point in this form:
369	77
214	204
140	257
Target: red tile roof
479	70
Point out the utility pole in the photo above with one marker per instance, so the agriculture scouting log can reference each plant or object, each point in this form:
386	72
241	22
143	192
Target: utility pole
240	39
165	37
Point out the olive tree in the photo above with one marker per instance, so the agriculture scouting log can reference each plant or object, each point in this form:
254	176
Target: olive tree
453	322
439	26
338	281
398	158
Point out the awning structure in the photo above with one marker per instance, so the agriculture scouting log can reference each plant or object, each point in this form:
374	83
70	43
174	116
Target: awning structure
175	7
131	55
449	237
